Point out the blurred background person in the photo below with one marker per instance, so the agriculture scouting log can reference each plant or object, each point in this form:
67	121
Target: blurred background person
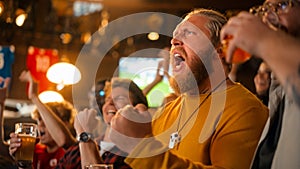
262	81
278	22
96	97
161	72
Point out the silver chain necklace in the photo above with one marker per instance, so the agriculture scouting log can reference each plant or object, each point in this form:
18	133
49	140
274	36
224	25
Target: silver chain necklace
175	136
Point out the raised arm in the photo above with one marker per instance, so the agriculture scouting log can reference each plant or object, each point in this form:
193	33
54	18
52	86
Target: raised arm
277	48
158	78
85	121
57	128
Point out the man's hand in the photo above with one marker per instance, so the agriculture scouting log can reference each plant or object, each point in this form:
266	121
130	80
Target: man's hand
86	121
246	30
25	76
129	126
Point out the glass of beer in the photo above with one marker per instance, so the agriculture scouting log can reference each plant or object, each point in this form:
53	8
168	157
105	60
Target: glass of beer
27	132
239	55
99	166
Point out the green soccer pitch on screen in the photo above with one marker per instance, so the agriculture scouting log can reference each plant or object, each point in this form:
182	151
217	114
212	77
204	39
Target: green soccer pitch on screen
143	71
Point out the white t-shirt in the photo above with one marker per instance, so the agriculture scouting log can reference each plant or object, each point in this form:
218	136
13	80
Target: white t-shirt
105	146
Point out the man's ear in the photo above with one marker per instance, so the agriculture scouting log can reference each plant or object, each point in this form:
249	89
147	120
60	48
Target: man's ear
220	51
221	54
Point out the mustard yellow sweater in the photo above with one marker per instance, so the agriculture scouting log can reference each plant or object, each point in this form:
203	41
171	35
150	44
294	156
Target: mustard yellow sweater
222	133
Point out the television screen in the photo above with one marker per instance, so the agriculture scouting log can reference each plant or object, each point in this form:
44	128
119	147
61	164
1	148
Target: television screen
142	71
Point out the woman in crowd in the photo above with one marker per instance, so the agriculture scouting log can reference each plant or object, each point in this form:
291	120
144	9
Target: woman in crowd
262	81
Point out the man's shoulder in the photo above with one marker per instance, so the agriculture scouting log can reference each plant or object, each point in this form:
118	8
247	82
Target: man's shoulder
240	97
238	91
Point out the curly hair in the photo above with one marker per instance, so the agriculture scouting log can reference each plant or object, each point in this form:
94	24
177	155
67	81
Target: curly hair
64	110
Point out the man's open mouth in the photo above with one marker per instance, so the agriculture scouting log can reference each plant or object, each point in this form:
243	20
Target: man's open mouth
178	59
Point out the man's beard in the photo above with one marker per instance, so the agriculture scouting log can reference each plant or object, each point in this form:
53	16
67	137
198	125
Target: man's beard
191	80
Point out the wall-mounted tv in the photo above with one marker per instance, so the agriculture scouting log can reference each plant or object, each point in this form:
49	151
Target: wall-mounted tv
142	70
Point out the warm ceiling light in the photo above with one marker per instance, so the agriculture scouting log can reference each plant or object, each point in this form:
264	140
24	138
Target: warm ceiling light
20	17
1	7
66	38
153	36
50	96
63	73
86	37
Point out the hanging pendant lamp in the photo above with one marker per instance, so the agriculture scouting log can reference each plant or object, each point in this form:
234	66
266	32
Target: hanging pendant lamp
50	96
63	73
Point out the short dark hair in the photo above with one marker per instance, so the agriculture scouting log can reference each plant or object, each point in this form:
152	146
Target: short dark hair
101	92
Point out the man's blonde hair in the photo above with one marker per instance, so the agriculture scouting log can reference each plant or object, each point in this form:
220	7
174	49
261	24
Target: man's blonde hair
215	23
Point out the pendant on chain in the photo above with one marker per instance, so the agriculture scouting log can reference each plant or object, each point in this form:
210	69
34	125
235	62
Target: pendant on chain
174	139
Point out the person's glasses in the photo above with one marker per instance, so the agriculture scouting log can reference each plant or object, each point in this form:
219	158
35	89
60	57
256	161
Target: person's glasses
278	8
270	11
